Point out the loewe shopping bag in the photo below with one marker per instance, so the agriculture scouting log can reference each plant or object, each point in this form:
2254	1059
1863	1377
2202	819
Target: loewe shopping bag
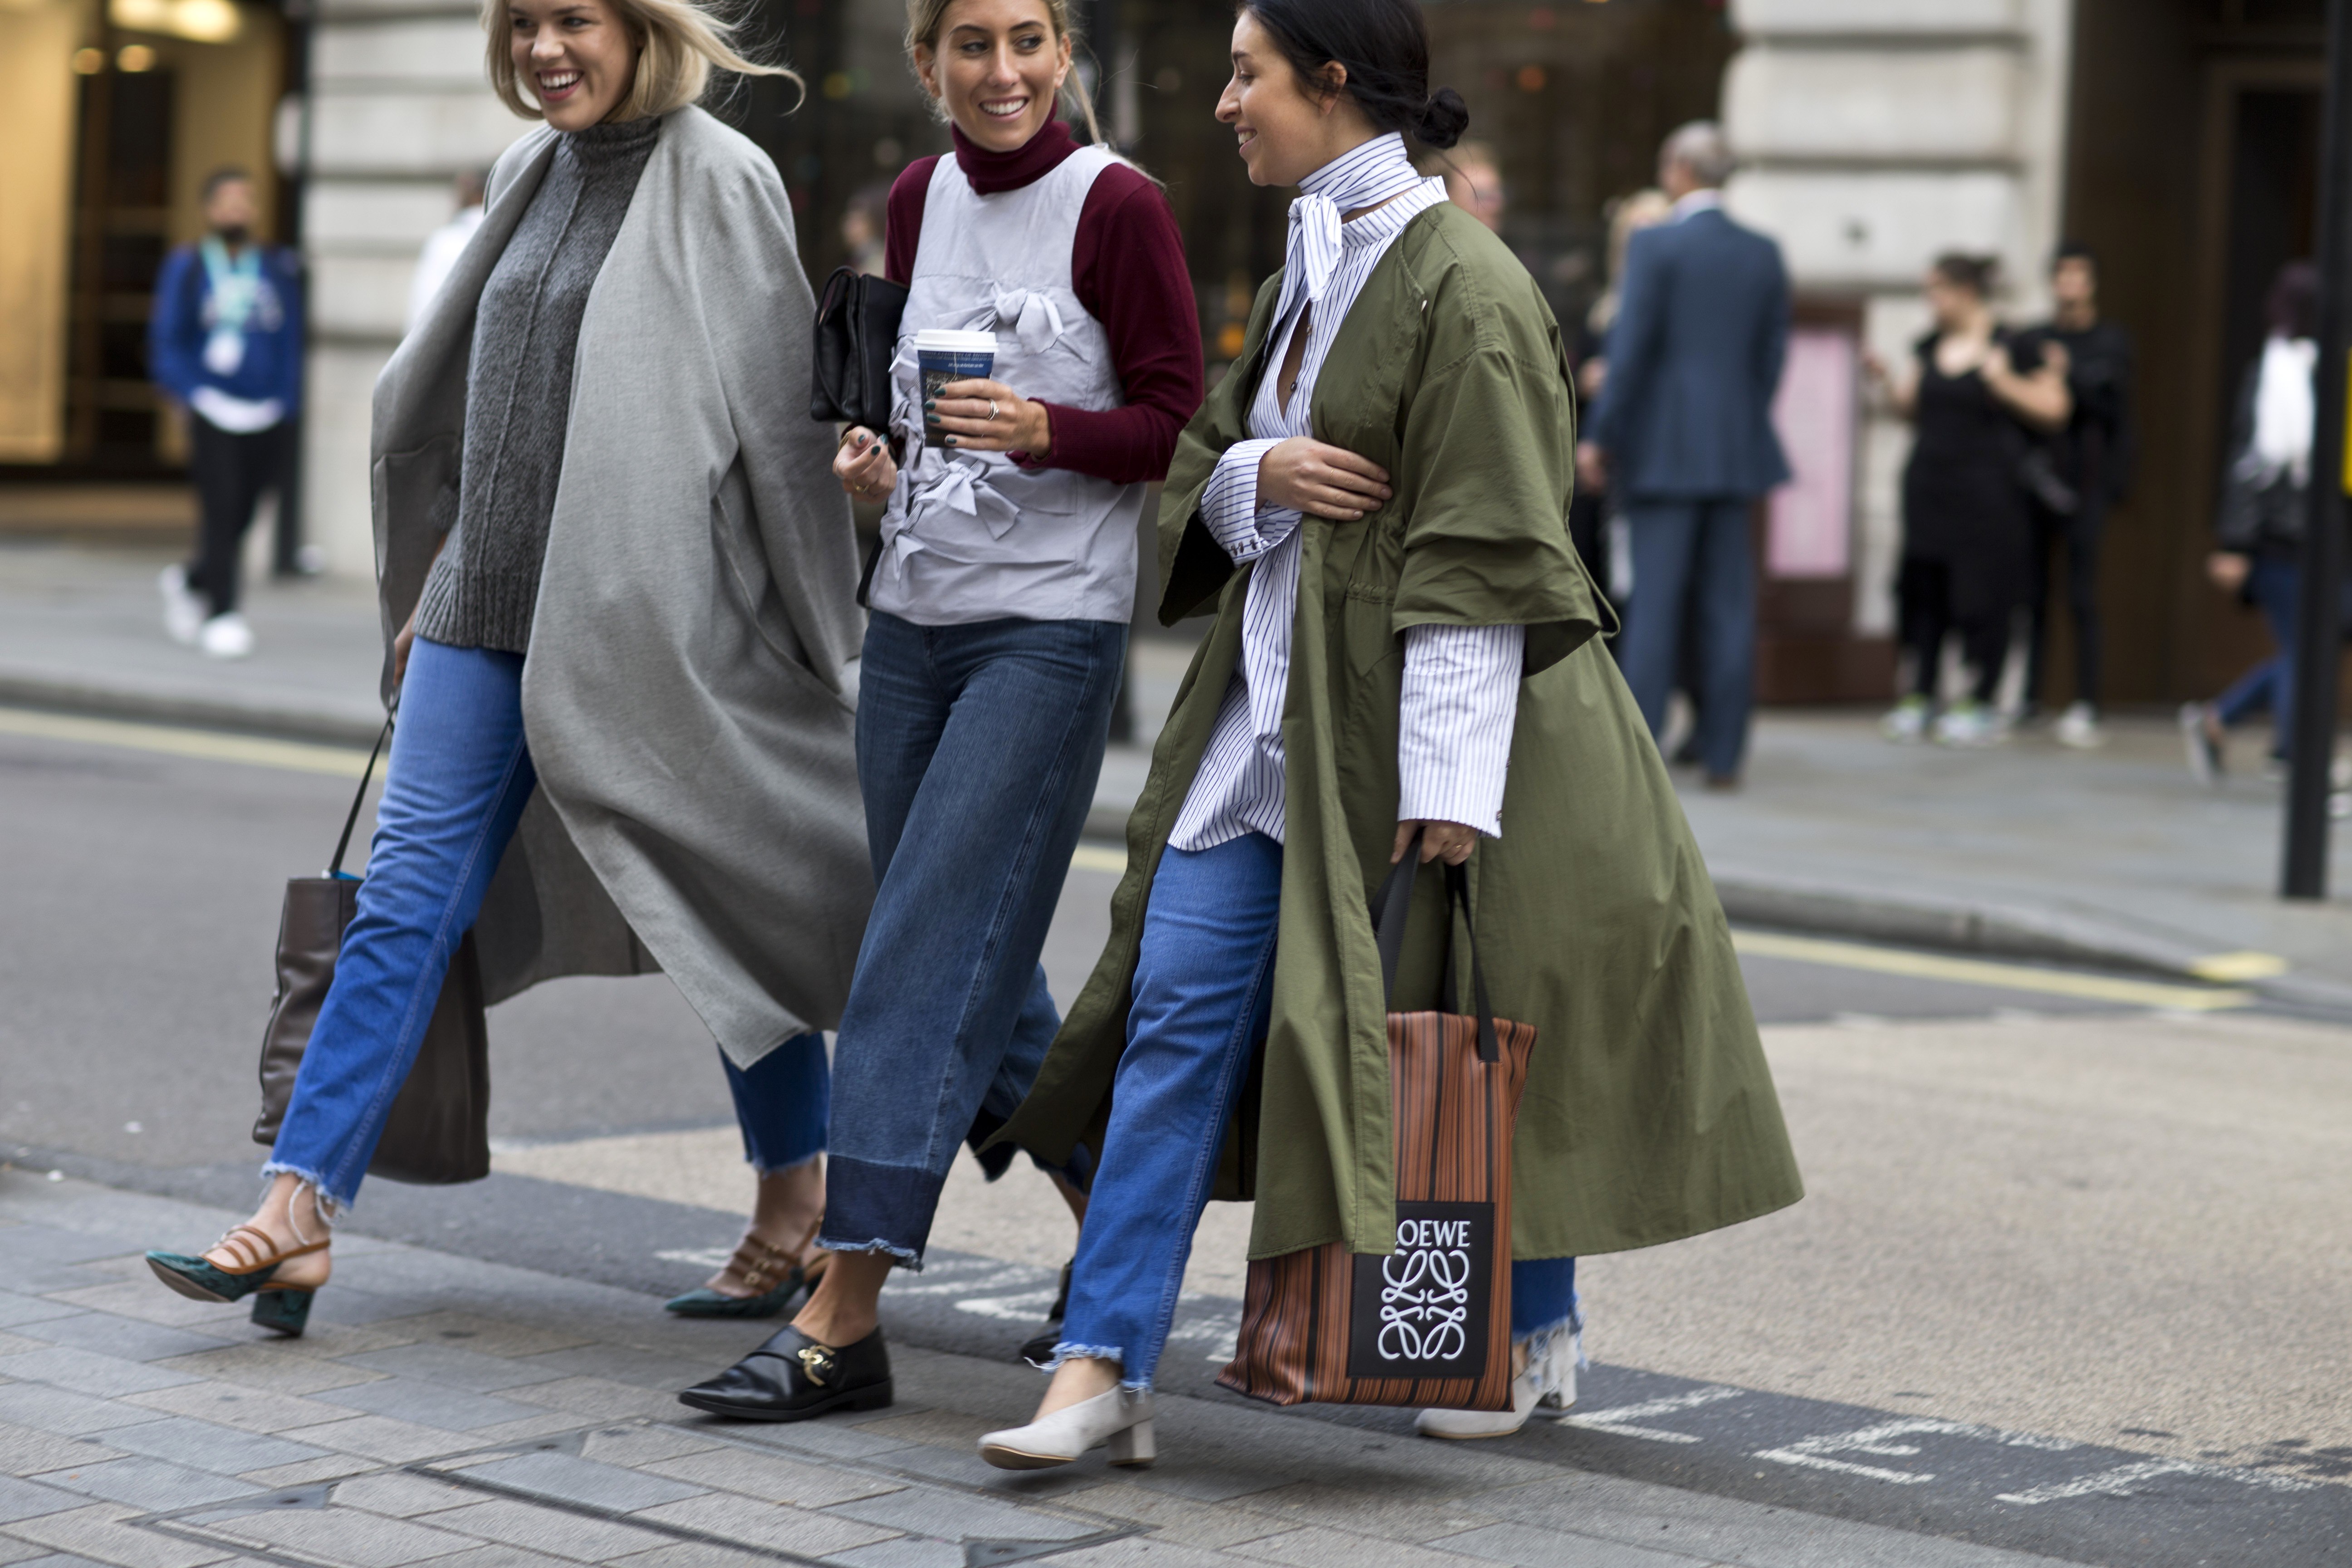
1429	1325
439	1129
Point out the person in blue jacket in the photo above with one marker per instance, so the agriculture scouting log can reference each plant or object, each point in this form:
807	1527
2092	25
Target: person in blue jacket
225	342
1684	433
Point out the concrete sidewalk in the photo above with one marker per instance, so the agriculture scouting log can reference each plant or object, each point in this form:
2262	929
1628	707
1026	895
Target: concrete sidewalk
2113	857
475	1415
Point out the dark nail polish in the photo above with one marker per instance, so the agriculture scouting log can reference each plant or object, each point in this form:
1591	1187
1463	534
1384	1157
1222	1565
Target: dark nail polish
930	418
929	404
948	441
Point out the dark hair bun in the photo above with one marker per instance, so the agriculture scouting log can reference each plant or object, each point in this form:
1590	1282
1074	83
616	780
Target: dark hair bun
1444	119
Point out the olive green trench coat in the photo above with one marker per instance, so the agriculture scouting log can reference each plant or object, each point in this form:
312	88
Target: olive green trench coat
1649	1112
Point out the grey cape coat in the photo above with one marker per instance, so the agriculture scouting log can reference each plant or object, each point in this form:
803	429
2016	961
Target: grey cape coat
689	690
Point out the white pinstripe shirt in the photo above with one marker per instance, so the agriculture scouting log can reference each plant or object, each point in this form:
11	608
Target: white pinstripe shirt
1461	683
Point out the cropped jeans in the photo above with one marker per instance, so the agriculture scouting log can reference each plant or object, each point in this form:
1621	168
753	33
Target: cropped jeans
458	779
1203	996
977	749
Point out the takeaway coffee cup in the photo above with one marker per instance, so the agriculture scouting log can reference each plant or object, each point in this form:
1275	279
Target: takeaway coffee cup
947	356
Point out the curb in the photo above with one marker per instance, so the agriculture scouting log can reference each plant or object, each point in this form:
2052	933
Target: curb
278	720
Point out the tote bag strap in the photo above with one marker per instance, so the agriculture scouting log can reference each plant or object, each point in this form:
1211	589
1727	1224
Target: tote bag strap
1391	907
335	867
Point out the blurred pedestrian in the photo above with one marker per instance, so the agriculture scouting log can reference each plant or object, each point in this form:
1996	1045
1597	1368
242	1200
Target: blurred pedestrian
1966	562
225	342
1000	603
1430	602
443	245
1595	521
1683	431
2073	476
1474	181
2258	532
595	470
862	226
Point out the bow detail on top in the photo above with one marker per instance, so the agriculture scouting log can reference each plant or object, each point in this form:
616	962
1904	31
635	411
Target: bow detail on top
1029	314
962	484
1310	253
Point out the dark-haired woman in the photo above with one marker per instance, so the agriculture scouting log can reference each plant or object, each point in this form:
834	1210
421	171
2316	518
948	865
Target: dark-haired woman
1000	603
1404	650
1968	536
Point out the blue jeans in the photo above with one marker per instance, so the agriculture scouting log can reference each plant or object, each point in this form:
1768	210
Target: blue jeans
1694	565
460	776
2275	584
977	749
1203	993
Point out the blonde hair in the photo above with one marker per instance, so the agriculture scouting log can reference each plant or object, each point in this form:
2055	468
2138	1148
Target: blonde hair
679	44
925	17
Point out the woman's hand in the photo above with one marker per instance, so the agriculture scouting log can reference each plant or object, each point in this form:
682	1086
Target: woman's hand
1320	480
2228	570
1450	840
400	642
988	416
864	466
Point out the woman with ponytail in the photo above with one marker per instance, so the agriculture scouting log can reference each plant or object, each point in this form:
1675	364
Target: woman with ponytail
1374	505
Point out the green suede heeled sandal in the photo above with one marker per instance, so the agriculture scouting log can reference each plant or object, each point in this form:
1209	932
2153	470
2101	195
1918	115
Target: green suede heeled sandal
200	1279
772	1276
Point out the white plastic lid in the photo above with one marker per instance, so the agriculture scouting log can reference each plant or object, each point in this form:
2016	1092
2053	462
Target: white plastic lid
941	340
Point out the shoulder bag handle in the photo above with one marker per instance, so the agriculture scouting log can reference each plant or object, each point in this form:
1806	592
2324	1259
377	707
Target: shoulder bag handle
1391	907
335	867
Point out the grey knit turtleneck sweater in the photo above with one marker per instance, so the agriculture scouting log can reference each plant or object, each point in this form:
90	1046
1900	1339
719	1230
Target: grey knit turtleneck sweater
485	586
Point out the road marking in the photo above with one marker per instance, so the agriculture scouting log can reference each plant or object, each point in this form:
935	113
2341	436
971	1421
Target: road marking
1983	972
209	745
2126	1479
1095	858
1615	1418
1814	1452
2228	966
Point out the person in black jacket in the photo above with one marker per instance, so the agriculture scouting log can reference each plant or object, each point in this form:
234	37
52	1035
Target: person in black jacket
2258	534
2073	475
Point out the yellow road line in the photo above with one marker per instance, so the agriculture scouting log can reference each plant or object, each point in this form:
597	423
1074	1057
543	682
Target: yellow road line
1981	972
297	756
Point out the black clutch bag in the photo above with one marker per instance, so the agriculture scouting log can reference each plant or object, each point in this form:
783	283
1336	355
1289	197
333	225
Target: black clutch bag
438	1131
856	336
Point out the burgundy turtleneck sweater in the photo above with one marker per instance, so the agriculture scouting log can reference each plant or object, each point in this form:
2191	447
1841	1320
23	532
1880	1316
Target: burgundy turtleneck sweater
1126	267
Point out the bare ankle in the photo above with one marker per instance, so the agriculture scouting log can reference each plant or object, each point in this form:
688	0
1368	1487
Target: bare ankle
1077	1380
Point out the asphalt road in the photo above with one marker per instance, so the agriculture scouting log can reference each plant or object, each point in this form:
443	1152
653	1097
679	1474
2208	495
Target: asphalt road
2069	1280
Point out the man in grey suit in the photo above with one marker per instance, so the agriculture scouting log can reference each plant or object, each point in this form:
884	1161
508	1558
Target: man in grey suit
1684	431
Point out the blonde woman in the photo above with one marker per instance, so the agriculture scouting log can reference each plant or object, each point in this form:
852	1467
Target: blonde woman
622	584
1000	605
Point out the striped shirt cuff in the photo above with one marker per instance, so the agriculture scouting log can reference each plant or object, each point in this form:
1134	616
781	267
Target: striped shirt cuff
1461	701
1229	506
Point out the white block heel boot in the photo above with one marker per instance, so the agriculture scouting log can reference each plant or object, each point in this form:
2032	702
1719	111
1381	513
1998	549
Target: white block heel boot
1119	1419
1547	1384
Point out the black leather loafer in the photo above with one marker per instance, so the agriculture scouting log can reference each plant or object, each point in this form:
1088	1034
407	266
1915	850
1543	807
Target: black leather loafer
792	1378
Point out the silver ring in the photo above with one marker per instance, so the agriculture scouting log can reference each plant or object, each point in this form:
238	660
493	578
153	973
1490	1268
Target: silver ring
992	411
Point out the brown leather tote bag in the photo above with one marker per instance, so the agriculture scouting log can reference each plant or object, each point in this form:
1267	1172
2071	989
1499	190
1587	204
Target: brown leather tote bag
1429	1323
439	1130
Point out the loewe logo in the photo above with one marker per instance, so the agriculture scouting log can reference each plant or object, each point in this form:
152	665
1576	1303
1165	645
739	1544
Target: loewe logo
1425	1295
1427	1233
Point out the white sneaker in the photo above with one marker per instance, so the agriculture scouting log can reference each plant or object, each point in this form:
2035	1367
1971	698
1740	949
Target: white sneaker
1970	724
1119	1419
2079	727
184	611
1549	1384
225	637
1906	723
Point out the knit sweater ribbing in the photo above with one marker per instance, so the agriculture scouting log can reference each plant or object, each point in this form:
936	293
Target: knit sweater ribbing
485	586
